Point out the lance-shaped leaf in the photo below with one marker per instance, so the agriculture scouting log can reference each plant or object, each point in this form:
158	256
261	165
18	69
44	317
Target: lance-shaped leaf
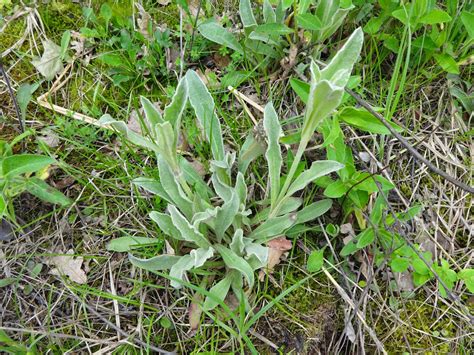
268	12
188	232
214	32
238	243
313	211
174	111
153	186
233	261
135	138
289	205
166	224
219	292
272	128
225	215
317	169
241	188
152	115
172	188
195	259
203	104
223	190
273	226
246	13
25	163
331	15
167	143
257	255
323	99
127	243
344	60
250	150
160	262
42	190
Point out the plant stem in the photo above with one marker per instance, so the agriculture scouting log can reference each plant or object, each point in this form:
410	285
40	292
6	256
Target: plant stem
289	178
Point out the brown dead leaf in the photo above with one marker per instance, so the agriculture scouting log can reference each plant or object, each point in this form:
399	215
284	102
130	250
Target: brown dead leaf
277	247
143	21
70	266
194	315
221	61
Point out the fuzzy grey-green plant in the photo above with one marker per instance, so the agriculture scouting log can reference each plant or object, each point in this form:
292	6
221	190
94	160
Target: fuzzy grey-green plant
214	221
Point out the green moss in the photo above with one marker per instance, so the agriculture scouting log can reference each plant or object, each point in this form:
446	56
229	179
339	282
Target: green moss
429	327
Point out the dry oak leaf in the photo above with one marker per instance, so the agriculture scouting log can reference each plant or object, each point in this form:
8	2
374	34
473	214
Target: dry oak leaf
70	266
277	247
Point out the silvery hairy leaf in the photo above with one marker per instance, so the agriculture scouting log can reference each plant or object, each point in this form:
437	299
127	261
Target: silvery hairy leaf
152	115
233	261
273	131
173	189
257	255
153	186
331	15
225	215
214	32
203	105
188	232
166	224
250	150
289	205
160	262
273	227
219	291
313	211
174	111
246	13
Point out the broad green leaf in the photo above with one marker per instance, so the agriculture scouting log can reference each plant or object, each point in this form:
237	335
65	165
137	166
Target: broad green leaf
166	224
313	211
349	249
65	39
106	12
203	104
420	279
153	186
377	210
233	261
42	190
467	275
188	232
405	216
24	95
309	22
125	244
435	16
225	215
214	32
447	275
317	169
174	111
3	206
315	260
336	189
467	19
364	181
219	291
268	12
365	238
399	264
364	120
15	165
372	27
447	62
4	283
273	226
273	131
152	115
246	13
157	263
420	266
301	88
173	189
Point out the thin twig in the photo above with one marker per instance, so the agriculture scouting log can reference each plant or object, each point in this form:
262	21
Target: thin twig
12	95
407	145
